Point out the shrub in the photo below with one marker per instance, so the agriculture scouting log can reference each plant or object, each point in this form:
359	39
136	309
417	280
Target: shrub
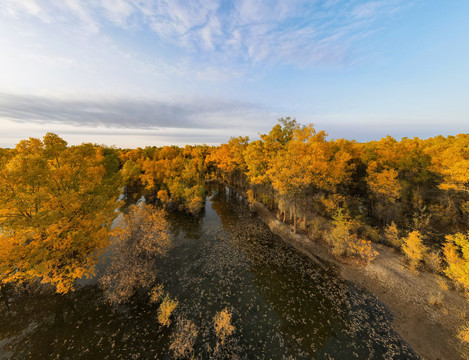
391	236
463	334
166	309
345	243
223	326
250	197
436	300
433	261
413	249
317	226
183	340
156	293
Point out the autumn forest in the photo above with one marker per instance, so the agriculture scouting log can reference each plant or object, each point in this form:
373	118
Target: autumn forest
63	209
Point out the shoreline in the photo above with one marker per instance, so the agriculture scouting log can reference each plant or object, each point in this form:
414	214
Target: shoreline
429	329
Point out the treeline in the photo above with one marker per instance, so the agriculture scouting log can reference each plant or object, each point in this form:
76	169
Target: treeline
411	194
175	176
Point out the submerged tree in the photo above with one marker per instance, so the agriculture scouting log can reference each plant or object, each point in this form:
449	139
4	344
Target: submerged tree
183	340
167	307
223	326
56	208
140	236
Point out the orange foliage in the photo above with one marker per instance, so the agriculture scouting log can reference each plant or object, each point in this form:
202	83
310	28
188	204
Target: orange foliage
413	249
166	309
456	253
56	208
222	324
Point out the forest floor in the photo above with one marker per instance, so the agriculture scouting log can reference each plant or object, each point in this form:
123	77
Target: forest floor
426	314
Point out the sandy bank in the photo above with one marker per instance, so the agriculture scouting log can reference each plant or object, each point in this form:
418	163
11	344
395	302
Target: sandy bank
429	329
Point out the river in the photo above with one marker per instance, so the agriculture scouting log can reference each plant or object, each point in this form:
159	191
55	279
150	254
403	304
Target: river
283	305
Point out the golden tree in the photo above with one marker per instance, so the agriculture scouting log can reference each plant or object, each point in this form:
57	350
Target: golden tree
56	207
223	326
391	235
385	187
345	242
414	249
166	309
456	253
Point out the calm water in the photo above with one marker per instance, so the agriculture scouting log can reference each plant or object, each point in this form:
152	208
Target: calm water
284	306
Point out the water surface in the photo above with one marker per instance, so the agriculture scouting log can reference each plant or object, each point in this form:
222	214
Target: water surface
284	305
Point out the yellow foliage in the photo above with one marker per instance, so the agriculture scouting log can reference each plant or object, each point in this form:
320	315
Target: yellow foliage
250	197
456	253
451	160
163	197
391	236
56	209
194	199
166	309
344	242
414	249
383	184
156	293
463	334
223	326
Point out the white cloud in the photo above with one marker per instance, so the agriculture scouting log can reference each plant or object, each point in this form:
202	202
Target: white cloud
117	11
281	31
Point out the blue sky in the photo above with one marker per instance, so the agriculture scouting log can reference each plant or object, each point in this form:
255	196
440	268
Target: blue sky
155	72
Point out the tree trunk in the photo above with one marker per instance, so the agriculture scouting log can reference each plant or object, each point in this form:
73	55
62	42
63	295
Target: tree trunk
295	225
273	199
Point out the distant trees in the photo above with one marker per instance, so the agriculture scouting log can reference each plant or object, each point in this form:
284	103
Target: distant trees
56	208
386	185
173	175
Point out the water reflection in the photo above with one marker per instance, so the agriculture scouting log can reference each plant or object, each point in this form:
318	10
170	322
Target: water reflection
283	305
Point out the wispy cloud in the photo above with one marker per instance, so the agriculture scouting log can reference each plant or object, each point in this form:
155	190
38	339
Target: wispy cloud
301	32
130	113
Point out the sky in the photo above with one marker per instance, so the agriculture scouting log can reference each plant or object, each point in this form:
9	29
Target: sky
161	72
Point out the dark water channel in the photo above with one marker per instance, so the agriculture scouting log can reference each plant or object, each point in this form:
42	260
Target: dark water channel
284	306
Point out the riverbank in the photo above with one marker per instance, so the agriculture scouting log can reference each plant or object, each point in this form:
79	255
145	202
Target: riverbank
425	315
